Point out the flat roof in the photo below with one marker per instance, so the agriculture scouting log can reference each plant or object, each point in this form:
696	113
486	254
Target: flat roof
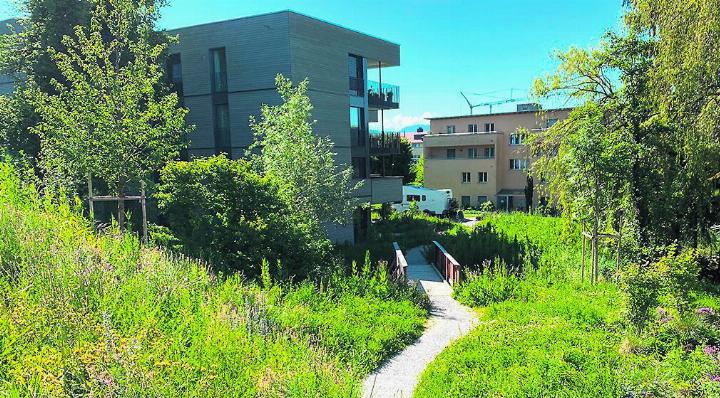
498	114
283	12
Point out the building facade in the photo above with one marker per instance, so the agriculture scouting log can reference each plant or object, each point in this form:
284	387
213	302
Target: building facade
226	71
483	157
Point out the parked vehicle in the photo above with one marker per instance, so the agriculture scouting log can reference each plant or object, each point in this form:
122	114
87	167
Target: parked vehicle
431	201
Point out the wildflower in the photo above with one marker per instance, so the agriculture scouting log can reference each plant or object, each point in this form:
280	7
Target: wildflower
715	378
705	311
665	317
710	350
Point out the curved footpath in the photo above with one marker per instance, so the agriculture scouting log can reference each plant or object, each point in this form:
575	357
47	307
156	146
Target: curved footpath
398	377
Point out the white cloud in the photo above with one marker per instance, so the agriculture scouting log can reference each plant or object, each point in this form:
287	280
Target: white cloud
400	121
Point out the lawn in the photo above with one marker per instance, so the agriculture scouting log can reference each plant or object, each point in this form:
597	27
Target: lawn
86	314
548	334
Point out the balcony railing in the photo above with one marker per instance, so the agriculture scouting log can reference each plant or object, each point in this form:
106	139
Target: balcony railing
444	157
385	96
384	144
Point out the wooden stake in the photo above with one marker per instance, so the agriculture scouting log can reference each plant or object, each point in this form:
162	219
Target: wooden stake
582	266
144	211
90	199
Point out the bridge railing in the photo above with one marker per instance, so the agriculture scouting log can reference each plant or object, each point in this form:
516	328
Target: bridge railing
398	268
448	267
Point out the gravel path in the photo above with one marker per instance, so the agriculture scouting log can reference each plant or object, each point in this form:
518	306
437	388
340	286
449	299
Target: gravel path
449	320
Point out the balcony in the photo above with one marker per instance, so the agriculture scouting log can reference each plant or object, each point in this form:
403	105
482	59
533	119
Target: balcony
384	144
385	96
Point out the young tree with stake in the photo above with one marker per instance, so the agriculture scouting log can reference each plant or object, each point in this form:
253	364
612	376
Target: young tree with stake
108	119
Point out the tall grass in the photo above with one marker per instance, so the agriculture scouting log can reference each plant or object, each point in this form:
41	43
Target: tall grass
545	333
86	314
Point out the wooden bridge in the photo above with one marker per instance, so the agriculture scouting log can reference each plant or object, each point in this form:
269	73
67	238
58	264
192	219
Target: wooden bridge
448	320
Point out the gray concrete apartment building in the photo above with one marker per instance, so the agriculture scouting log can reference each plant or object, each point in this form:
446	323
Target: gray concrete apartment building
225	71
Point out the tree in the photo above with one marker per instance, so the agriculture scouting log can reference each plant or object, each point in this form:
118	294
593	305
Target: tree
685	87
529	193
420	171
107	119
399	164
221	210
584	164
286	150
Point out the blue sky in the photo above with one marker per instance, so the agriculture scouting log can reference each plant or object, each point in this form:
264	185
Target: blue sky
447	46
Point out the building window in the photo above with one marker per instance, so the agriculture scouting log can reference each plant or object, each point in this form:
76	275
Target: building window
489	127
465	201
357	125
359	166
490	153
482	199
222	129
219	70
174	74
472	128
517	138
472	153
518	164
451	153
355	71
413	198
424	198
550	123
482	177
451	129
465	177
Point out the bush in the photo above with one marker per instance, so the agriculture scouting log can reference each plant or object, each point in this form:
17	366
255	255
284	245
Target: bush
641	288
487	287
487	206
222	211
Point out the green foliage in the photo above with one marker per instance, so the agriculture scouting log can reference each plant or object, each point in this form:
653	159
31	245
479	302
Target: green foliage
420	171
488	287
286	150
223	211
100	315
585	166
400	164
407	229
642	294
485	248
546	334
487	206
106	117
672	280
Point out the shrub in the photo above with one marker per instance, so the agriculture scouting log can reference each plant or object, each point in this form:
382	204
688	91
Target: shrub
487	207
224	212
487	287
641	288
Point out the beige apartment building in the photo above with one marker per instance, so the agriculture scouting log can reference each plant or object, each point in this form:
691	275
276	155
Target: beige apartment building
483	157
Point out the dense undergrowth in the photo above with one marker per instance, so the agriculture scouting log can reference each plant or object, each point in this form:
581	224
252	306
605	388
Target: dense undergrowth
546	333
86	314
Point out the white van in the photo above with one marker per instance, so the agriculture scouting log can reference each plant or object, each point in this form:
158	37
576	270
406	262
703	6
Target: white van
432	201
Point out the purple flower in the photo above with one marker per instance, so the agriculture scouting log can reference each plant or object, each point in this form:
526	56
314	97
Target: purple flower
710	350
715	378
705	311
661	311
